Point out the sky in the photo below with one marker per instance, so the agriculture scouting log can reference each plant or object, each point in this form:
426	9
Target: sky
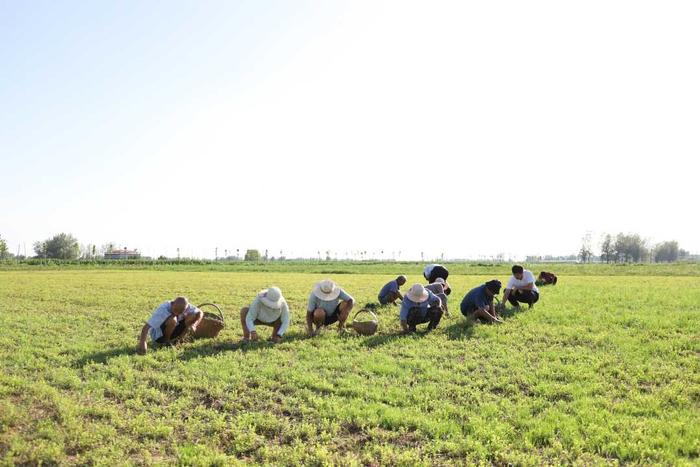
463	129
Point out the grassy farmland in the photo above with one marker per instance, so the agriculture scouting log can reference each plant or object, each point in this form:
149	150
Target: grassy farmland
605	369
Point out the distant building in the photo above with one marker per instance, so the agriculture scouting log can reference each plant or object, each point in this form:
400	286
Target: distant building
123	254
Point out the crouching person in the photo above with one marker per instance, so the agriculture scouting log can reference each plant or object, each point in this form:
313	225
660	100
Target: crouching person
521	288
328	303
420	306
169	322
477	305
390	292
268	309
440	288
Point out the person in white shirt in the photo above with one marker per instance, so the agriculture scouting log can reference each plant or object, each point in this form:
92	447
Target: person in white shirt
169	322
432	271
521	288
268	309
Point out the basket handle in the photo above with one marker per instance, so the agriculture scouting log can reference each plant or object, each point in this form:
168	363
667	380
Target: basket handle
221	314
366	311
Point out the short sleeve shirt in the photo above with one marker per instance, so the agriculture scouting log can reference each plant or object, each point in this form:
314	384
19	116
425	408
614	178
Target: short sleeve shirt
407	304
476	298
162	313
391	286
436	288
528	278
328	306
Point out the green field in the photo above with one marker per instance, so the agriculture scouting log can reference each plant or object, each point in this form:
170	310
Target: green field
604	370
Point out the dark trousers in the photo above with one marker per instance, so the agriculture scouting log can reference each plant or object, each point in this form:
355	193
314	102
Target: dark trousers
523	296
177	332
438	271
432	316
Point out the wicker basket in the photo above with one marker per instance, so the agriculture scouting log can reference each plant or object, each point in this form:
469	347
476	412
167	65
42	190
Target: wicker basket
366	328
211	324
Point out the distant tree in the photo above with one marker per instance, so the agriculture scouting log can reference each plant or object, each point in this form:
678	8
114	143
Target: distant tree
585	254
620	248
88	251
666	252
4	252
252	255
683	253
629	248
61	246
586	251
637	248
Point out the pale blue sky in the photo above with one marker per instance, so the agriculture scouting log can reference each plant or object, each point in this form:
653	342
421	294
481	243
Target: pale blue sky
305	126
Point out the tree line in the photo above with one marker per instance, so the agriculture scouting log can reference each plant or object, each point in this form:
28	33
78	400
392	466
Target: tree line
621	248
631	248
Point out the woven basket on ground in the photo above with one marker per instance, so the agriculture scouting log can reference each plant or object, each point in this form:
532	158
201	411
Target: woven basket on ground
211	324
366	328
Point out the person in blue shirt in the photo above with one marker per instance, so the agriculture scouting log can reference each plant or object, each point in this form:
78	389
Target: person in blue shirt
478	303
420	306
390	292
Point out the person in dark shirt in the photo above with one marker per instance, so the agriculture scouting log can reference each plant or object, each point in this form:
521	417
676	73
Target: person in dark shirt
390	292
478	303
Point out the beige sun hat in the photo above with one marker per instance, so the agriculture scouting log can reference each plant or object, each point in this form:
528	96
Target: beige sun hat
417	293
272	298
326	290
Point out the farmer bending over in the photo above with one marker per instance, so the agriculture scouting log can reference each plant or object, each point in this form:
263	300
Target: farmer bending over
420	306
169	322
328	303
434	271
439	288
521	288
390	292
268	309
478	303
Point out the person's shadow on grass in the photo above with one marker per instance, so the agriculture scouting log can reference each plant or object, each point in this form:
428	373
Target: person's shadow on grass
188	350
207	347
105	356
383	339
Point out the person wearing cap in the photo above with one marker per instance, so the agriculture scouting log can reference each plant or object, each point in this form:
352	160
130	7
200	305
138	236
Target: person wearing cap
268	309
328	303
439	288
170	322
521	288
434	271
390	292
420	306
478	303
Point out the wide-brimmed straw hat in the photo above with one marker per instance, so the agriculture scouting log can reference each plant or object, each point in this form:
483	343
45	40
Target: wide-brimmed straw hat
326	290
272	298
417	293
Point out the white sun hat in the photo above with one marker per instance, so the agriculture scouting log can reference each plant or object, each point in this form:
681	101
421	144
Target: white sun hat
272	298
417	293
326	290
